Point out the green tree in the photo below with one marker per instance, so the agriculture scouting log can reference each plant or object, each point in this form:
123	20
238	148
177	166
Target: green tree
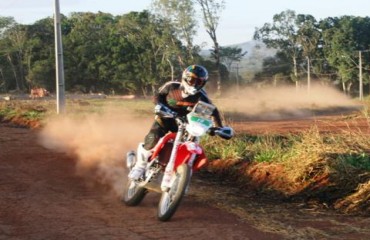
229	55
181	18
16	39
131	53
309	37
39	55
6	69
275	70
149	50
343	38
88	59
13	38
282	34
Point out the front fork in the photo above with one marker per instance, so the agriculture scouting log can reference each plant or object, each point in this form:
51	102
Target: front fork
169	176
168	172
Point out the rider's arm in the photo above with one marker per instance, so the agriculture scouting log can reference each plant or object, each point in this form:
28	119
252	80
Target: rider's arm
217	118
161	95
160	100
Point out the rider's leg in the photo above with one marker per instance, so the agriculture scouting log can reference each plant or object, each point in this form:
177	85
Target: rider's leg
143	150
141	161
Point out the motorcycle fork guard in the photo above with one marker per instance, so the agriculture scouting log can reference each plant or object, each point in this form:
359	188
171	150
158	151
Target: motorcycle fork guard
184	156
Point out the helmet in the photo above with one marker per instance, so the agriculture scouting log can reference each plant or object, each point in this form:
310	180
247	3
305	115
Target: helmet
194	78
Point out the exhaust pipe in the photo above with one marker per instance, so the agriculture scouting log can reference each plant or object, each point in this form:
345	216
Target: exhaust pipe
130	159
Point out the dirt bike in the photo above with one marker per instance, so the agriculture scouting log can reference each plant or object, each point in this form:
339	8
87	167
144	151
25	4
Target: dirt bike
175	157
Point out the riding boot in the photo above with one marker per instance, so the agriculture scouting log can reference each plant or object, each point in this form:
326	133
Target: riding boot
141	162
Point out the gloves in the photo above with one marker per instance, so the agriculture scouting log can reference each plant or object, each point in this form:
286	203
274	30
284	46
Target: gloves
164	111
212	131
225	132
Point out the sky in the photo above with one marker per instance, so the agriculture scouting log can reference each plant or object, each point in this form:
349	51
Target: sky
237	24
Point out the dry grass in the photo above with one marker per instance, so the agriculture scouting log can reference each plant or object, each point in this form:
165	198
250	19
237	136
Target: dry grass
325	166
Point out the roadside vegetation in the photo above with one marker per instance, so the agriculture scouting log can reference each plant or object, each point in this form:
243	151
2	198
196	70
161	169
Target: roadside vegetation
330	168
136	52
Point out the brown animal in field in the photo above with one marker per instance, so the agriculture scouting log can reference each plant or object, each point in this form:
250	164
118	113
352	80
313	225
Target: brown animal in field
39	93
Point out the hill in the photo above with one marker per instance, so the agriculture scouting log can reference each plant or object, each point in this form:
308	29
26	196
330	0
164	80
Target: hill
251	63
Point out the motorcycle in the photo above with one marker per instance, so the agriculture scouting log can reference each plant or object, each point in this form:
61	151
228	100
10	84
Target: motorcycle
174	158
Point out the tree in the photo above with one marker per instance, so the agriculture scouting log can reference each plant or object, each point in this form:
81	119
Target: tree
13	38
229	55
149	51
275	69
282	34
343	38
211	10
180	15
132	53
308	35
5	75
88	59
6	23
40	54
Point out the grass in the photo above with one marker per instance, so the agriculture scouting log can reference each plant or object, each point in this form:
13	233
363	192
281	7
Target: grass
39	110
294	151
332	167
33	115
359	161
7	113
18	111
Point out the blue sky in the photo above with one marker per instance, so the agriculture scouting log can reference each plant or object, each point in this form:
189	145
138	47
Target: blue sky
238	20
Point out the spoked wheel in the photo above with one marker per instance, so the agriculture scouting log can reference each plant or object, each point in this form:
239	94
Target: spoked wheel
171	199
134	194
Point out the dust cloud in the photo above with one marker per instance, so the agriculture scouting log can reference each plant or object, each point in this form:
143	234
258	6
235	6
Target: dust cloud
285	102
99	142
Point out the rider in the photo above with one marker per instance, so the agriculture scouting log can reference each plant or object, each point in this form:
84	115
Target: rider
174	98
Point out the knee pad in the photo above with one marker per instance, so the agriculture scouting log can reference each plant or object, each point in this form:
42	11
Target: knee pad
150	140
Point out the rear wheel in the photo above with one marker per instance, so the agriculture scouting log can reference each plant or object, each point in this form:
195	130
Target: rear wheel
171	199
134	194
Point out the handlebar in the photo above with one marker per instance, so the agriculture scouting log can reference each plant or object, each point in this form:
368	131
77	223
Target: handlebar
165	112
223	132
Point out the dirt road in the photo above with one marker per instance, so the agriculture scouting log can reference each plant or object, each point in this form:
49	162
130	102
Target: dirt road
41	197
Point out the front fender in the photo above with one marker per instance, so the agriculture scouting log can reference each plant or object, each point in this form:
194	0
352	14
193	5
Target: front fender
186	150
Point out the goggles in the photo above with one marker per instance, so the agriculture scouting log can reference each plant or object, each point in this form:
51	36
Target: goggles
195	82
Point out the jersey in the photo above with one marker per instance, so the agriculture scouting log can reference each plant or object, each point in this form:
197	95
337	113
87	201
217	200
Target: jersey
170	94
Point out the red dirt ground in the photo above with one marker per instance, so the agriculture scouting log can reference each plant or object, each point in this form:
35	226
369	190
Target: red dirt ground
41	197
336	123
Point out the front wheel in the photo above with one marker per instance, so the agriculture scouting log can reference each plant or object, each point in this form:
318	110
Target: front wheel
134	194
171	199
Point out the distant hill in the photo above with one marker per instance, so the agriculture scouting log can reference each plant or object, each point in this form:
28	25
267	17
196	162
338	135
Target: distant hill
252	61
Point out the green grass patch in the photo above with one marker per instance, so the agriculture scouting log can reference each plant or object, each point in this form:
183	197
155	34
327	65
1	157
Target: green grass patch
33	115
298	153
7	113
217	148
262	148
359	161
